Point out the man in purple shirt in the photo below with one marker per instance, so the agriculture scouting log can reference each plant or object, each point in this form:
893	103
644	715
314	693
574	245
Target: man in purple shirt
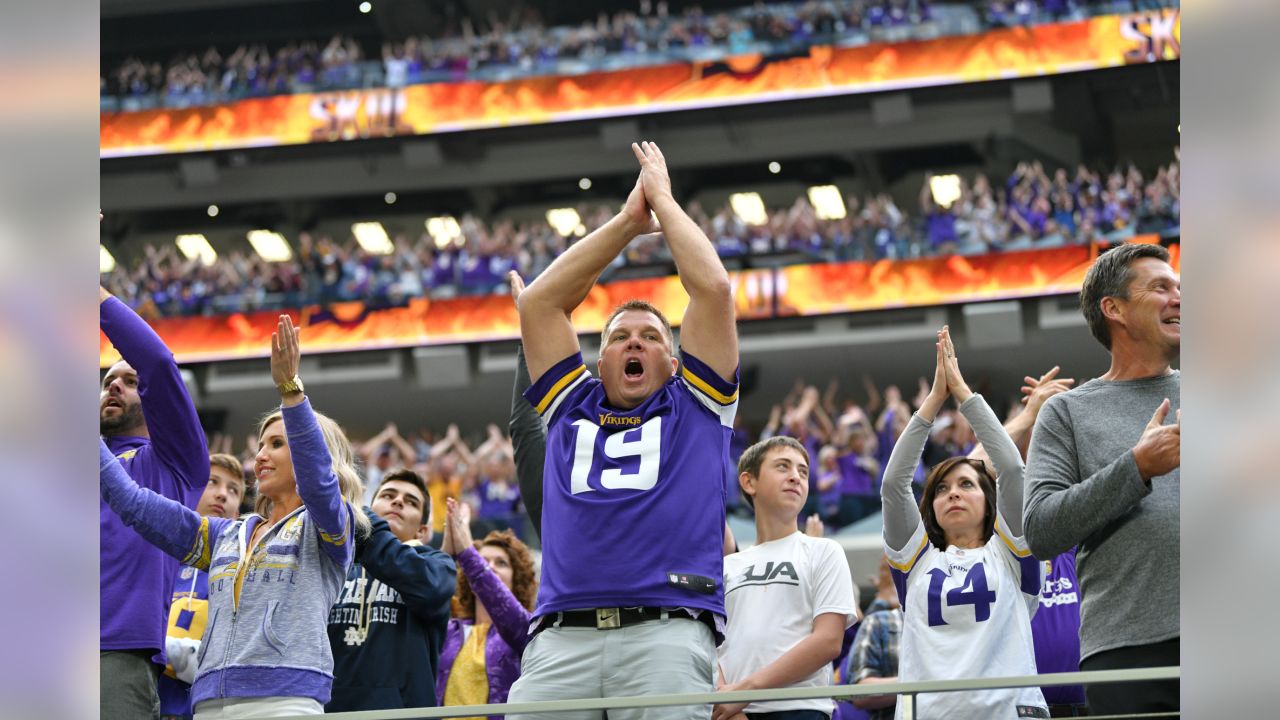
151	426
634	460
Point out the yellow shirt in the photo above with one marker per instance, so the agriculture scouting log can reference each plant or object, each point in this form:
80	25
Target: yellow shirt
468	682
440	489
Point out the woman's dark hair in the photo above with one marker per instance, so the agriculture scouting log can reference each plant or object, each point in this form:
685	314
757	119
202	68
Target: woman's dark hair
524	584
939	471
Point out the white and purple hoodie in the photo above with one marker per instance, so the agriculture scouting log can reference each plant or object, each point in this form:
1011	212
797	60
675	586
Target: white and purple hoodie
267	617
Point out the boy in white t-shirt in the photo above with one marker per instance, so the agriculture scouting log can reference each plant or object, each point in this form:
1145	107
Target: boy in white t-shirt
789	598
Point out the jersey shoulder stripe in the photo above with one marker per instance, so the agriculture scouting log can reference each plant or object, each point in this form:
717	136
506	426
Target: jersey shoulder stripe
556	384
700	377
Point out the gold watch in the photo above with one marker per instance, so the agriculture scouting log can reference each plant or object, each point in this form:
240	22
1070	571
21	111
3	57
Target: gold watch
290	386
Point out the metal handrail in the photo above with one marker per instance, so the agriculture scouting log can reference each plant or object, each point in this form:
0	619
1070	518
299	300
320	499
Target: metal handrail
911	689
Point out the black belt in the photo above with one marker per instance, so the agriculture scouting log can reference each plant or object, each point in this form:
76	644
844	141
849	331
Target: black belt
609	618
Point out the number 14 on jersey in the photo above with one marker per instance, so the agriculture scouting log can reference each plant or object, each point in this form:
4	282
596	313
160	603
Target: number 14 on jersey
973	592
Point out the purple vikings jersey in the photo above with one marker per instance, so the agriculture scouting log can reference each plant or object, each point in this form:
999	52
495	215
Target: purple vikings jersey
634	501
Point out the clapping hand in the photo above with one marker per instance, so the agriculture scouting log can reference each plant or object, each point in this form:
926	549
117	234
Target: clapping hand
457	527
956	385
517	285
813	526
1036	392
654	177
1159	450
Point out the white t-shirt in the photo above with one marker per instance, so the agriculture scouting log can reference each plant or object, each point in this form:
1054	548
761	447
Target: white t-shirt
967	614
772	594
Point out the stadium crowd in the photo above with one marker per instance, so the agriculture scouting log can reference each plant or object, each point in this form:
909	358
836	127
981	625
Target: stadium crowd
1032	209
523	43
329	594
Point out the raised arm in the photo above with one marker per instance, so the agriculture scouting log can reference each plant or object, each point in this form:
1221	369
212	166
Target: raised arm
408	456
548	303
529	443
425	577
1019	428
176	437
709	329
901	514
509	617
171	526
312	463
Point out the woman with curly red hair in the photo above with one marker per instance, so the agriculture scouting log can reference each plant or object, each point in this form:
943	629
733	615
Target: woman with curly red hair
486	637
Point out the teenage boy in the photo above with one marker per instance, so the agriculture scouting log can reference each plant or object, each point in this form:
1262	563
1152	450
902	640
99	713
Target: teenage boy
388	625
789	598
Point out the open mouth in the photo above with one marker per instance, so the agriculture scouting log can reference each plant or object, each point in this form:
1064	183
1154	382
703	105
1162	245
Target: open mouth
634	369
1174	321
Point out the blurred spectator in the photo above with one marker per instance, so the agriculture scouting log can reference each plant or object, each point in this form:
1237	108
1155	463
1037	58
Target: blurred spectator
522	45
1034	211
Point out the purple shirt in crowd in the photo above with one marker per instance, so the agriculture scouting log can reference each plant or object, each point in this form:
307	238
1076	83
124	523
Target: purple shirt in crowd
855	480
507	637
498	500
135	577
1055	629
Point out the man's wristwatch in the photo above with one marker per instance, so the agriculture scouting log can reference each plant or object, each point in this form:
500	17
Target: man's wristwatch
290	386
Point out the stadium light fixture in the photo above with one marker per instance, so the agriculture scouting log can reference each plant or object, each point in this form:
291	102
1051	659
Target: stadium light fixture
372	237
945	189
827	202
444	230
390	198
366	7
564	220
196	247
584	183
775	167
270	245
106	263
749	207
212	210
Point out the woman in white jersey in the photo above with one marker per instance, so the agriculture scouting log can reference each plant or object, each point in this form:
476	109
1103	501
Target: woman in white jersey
966	579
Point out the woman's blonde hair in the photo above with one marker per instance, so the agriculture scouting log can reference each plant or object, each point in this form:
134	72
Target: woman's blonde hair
343	465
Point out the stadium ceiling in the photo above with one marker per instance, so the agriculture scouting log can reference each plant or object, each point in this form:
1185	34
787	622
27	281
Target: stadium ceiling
125	8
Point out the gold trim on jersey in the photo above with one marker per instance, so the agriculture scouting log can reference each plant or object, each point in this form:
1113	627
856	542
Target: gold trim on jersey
707	389
560	385
1012	548
906	567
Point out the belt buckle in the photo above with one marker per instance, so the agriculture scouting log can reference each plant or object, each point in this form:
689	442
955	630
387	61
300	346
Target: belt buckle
608	618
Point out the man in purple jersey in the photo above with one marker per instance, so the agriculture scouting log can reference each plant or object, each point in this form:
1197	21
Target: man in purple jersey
151	426
631	600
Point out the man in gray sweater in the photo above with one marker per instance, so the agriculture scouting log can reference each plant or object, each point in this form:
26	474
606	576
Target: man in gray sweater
1102	472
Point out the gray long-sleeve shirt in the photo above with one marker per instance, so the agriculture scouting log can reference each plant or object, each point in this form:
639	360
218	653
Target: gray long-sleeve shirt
902	515
1083	487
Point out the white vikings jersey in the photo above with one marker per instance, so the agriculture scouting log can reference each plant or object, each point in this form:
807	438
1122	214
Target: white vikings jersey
967	614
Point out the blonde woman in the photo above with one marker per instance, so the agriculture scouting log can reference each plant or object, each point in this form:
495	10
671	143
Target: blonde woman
273	575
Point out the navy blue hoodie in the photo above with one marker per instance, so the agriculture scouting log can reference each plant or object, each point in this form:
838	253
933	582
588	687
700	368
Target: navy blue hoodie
388	625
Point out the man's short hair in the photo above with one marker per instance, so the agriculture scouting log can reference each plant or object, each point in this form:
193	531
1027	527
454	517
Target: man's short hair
753	458
1110	276
405	475
643	306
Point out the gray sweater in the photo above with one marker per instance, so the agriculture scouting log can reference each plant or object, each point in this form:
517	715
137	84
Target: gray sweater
1083	488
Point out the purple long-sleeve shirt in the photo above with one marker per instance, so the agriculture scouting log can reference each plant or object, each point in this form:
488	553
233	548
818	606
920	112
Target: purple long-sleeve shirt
503	648
135	577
